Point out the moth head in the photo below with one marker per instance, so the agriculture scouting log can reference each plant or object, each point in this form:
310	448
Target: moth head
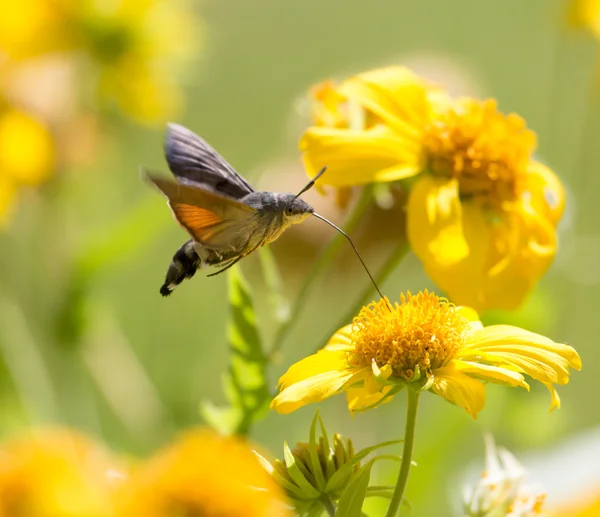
297	210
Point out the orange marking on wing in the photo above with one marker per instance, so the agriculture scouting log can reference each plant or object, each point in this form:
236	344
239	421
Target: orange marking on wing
195	219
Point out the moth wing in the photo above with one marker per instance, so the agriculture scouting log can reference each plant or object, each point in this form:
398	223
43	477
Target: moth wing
211	219
194	162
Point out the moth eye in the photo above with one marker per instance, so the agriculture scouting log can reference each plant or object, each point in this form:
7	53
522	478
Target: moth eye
289	210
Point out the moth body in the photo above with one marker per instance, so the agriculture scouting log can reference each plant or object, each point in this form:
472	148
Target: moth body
226	218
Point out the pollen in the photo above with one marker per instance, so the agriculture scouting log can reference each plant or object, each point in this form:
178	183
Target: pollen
423	331
486	150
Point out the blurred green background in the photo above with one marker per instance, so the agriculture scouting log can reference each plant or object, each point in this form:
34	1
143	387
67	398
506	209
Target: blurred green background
85	338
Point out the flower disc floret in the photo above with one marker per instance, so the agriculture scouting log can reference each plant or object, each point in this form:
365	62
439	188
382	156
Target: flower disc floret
422	332
486	150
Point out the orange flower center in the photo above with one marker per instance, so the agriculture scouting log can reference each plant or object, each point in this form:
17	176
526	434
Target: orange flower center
423	331
487	151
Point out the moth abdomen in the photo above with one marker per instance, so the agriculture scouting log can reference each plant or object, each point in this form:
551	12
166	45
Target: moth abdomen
184	265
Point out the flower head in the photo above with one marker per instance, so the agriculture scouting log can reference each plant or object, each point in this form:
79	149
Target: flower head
586	13
481	213
131	50
423	342
56	473
318	471
501	490
586	506
27	155
202	474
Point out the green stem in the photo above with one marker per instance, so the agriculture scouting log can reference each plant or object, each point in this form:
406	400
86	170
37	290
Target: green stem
329	505
409	439
319	266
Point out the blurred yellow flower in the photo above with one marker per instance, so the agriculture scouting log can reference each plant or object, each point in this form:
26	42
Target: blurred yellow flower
29	28
139	48
584	507
586	13
56	473
27	155
426	343
202	474
481	214
135	48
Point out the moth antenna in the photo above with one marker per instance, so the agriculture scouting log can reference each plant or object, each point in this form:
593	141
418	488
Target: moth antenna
349	240
311	183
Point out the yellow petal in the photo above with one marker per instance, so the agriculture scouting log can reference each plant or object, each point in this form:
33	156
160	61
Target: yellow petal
529	353
463	280
321	362
313	389
358	157
470	315
435	221
396	95
540	370
545	365
523	247
459	389
555	399
359	398
327	105
546	191
509	335
506	258
495	374
341	340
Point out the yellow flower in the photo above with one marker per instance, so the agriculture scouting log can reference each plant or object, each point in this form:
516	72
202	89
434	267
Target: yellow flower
202	474
139	48
56	473
27	155
481	213
136	48
29	28
426	343
586	507
586	13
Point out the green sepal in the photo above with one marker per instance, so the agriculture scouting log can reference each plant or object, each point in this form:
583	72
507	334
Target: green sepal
351	502
417	374
337	480
428	384
329	465
296	474
314	453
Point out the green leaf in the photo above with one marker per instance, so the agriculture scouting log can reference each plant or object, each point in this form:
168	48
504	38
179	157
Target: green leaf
351	502
245	384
